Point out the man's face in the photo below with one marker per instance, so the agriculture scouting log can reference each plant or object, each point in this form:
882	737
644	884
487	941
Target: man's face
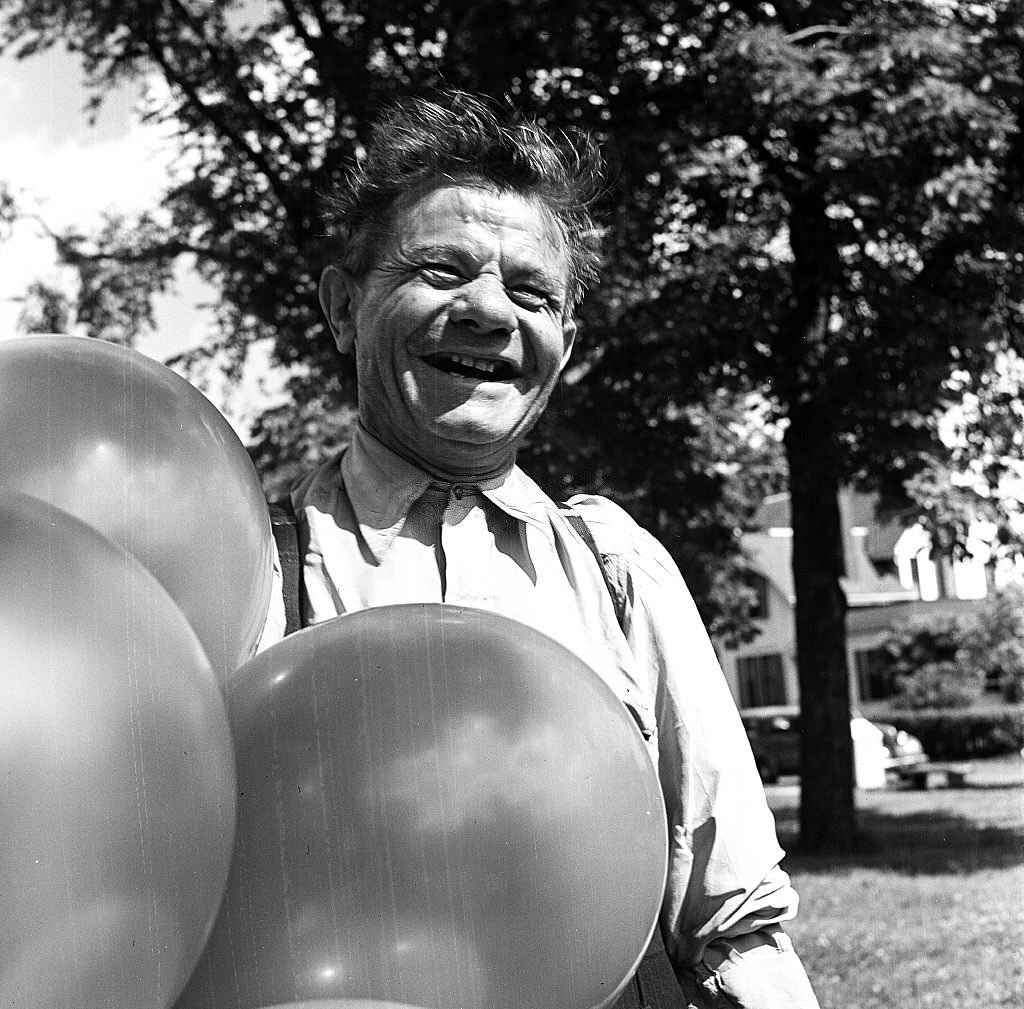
459	327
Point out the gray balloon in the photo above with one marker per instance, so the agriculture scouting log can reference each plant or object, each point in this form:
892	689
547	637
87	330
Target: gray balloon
133	450
437	806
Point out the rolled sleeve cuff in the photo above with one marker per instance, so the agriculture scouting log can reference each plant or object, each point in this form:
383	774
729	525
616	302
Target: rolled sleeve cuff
760	970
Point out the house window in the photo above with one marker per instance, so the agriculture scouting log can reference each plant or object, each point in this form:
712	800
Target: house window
874	677
758	584
761	680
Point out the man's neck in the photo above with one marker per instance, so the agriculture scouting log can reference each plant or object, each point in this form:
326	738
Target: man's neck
479	465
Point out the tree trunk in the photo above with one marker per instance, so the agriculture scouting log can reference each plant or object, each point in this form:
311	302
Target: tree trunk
827	814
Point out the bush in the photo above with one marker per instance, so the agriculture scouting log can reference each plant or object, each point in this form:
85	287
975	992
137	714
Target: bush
994	643
930	666
947	684
1013	687
959	735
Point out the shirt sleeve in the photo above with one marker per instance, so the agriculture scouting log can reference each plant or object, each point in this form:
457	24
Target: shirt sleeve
274	624
726	893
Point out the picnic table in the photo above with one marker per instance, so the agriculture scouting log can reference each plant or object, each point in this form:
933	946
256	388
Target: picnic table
937	774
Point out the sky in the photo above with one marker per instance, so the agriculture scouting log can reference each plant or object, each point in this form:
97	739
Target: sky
69	172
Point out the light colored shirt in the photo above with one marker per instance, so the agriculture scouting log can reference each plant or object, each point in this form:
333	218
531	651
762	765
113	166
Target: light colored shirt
377	531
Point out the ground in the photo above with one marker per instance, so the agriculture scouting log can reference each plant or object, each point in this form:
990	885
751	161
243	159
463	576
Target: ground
929	913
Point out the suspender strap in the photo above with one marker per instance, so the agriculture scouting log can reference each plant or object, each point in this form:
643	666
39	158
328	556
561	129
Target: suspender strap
654	985
618	597
286	535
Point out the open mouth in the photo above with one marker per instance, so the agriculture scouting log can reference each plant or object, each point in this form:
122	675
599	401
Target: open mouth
473	367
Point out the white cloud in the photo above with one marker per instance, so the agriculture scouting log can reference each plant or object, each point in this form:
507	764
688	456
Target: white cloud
69	185
69	173
73	183
65	174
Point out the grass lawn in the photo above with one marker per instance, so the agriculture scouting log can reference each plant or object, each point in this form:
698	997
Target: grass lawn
932	912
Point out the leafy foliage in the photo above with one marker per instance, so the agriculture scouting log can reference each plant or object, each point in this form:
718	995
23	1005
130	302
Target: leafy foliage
965	733
8	210
46	309
941	684
930	664
980	479
115	292
994	642
945	662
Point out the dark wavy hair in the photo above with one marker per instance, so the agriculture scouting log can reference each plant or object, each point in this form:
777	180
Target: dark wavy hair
455	136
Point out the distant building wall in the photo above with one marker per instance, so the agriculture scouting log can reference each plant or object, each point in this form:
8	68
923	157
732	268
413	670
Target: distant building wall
763	671
892	575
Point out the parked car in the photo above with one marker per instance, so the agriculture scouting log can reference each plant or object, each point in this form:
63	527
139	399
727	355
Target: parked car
774	735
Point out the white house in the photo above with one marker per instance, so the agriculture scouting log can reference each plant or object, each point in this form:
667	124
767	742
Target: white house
891	575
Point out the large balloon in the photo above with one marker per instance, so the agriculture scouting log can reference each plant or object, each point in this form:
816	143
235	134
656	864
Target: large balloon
116	774
437	806
129	447
345	1003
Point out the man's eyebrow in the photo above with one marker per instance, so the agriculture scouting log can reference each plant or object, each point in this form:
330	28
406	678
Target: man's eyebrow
538	273
422	250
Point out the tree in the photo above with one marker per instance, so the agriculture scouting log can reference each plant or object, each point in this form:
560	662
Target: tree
859	181
272	103
814	206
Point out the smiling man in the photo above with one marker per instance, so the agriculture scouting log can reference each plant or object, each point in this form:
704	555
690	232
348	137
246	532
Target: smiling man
467	304
465	244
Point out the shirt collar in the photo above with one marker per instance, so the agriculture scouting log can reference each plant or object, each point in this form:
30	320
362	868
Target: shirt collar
382	487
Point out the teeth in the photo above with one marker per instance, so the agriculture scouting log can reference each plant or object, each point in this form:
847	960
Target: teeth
471	362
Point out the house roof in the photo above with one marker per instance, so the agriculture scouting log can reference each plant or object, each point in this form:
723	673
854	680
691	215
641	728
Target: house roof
770	556
882	534
773	512
869	543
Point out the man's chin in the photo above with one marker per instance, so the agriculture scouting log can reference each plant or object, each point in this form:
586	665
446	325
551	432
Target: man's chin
487	433
491	418
466	449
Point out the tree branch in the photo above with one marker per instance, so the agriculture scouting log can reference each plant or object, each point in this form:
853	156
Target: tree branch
152	253
322	20
812	31
226	130
229	72
295	20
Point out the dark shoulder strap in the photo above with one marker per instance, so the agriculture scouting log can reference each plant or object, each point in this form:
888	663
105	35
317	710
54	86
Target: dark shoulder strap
286	535
615	590
654	985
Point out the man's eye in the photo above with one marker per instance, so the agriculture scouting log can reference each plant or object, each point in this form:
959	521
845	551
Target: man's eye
529	297
440	273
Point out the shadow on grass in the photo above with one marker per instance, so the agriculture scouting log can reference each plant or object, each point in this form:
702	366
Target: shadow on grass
922	841
994	786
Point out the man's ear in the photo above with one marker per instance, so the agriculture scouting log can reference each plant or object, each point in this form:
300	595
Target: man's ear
568	339
336	299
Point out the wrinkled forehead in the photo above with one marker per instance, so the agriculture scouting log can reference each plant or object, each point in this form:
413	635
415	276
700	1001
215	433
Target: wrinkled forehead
444	207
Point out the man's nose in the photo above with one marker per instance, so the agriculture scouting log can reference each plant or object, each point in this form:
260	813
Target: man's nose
484	306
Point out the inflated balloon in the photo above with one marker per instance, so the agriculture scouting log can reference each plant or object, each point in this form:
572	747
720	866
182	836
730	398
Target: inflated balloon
116	773
129	447
345	1003
437	806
